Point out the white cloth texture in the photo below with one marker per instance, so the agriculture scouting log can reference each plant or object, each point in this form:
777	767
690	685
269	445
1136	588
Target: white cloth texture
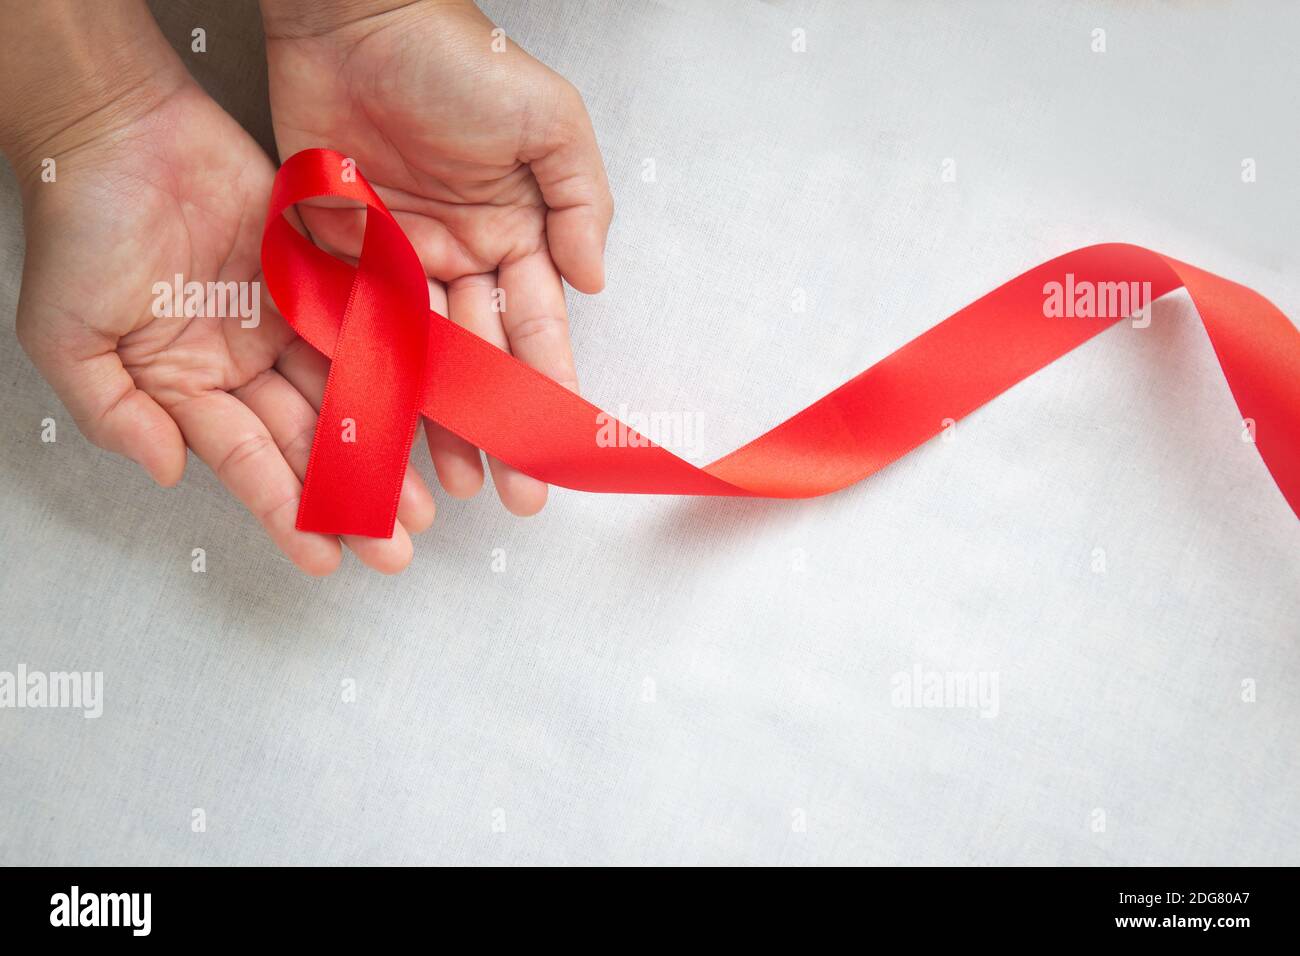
628	679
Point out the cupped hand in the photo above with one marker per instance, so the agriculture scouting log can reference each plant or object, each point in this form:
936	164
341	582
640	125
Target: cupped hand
174	187
488	161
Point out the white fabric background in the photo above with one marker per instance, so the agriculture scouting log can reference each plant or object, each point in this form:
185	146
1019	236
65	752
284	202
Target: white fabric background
770	631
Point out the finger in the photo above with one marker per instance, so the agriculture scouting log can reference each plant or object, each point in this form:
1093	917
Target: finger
535	317
306	369
459	465
238	448
292	423
110	411
571	174
469	304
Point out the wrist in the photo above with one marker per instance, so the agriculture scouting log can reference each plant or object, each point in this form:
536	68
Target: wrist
72	74
298	19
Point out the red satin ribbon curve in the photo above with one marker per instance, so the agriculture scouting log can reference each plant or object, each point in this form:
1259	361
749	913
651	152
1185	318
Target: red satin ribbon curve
392	359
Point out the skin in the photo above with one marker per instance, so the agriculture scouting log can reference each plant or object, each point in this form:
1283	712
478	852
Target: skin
158	180
487	159
154	179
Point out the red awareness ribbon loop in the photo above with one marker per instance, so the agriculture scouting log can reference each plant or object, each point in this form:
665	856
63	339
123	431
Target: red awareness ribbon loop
394	359
378	313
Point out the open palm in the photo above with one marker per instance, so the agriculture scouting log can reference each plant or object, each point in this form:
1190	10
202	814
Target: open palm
488	161
181	190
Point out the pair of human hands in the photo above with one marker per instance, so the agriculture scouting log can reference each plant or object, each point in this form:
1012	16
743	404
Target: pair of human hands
486	158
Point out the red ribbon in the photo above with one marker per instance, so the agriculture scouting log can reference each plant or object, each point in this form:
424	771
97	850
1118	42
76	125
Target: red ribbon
393	359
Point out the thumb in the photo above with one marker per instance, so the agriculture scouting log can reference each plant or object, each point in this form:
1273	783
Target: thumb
102	398
569	170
